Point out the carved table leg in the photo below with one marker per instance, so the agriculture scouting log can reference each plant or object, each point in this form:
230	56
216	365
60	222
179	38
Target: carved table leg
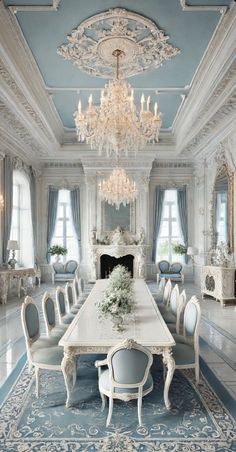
68	367
169	362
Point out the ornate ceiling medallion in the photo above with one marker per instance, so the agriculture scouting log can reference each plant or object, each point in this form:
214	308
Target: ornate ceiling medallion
94	41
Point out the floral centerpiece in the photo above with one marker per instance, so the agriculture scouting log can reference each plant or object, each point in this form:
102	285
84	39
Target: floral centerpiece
57	250
118	299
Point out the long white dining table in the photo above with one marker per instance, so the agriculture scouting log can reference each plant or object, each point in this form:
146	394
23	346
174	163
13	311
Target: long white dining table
89	334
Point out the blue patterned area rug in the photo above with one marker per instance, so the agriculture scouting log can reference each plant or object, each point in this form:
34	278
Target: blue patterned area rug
197	421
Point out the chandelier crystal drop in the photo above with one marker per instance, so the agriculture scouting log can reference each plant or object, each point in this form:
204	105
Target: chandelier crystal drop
118	188
116	125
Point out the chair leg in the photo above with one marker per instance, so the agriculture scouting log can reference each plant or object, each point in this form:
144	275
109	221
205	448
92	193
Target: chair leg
197	373
103	397
37	381
140	399
109	411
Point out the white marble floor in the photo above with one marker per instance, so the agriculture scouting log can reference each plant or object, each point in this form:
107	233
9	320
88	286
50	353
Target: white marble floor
217	344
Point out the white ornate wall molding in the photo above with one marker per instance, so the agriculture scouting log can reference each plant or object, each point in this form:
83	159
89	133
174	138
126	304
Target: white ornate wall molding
216	63
62	164
120	29
172	164
11	125
186	7
22	74
35	8
19	96
220	125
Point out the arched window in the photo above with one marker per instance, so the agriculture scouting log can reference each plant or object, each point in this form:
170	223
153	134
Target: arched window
21	226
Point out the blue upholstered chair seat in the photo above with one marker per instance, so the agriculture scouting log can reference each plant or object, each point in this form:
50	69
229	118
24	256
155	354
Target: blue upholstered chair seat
68	318
183	354
52	355
170	275
64	276
104	382
169	317
179	338
74	310
163	309
43	342
158	297
172	327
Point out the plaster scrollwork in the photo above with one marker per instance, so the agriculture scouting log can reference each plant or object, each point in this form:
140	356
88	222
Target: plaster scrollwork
91	45
17	128
8	79
227	108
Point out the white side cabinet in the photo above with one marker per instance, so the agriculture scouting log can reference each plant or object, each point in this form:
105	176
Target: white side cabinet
219	282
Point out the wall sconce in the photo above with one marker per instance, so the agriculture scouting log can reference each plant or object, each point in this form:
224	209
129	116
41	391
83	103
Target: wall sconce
1	202
191	252
12	245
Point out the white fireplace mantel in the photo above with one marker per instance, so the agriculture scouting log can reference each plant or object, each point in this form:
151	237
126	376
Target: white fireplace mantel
138	251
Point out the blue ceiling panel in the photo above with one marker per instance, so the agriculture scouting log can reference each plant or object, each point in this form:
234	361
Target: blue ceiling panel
190	31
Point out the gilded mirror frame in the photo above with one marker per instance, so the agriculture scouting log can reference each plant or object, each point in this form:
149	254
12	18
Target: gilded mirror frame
222	170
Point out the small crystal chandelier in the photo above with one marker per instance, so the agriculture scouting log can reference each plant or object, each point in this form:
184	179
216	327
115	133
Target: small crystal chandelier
118	188
116	125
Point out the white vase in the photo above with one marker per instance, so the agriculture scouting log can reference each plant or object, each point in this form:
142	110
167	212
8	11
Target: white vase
57	258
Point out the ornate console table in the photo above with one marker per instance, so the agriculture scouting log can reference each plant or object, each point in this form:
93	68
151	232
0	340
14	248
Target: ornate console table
218	282
21	275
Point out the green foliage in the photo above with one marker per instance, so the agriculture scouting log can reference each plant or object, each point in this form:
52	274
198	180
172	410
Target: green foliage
57	250
179	248
118	298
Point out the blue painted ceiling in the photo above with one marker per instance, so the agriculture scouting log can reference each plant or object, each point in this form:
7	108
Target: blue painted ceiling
190	31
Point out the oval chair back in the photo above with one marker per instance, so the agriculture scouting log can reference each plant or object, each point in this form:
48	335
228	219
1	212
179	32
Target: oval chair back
30	322
129	365
161	285
192	314
61	303
81	286
181	306
167	292
174	299
49	314
76	288
69	291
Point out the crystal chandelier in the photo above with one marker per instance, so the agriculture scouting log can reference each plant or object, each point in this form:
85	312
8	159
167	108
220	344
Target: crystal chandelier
118	188
116	125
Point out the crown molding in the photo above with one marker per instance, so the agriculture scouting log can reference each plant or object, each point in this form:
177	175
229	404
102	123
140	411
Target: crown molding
208	93
186	7
21	75
35	8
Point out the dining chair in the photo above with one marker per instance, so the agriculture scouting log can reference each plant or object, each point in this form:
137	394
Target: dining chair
127	377
186	350
62	309
166	297
49	316
175	327
82	292
70	299
42	352
169	314
160	290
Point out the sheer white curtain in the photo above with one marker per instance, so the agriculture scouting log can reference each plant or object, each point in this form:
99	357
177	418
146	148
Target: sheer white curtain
21	226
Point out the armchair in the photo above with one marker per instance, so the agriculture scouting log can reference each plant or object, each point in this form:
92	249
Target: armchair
174	271
127	376
61	273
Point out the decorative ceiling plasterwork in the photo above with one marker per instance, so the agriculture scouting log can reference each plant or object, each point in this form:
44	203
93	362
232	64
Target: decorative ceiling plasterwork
36	8
8	79
220	104
91	45
10	123
218	121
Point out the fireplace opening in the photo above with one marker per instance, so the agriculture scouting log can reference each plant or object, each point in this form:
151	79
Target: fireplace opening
109	262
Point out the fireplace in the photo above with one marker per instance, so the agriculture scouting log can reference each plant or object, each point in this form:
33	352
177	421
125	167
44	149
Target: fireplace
109	262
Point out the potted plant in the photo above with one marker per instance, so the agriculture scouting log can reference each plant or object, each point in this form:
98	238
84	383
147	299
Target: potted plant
57	250
179	248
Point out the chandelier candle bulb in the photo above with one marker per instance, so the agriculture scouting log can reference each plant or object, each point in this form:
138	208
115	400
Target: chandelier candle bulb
155	109
148	103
